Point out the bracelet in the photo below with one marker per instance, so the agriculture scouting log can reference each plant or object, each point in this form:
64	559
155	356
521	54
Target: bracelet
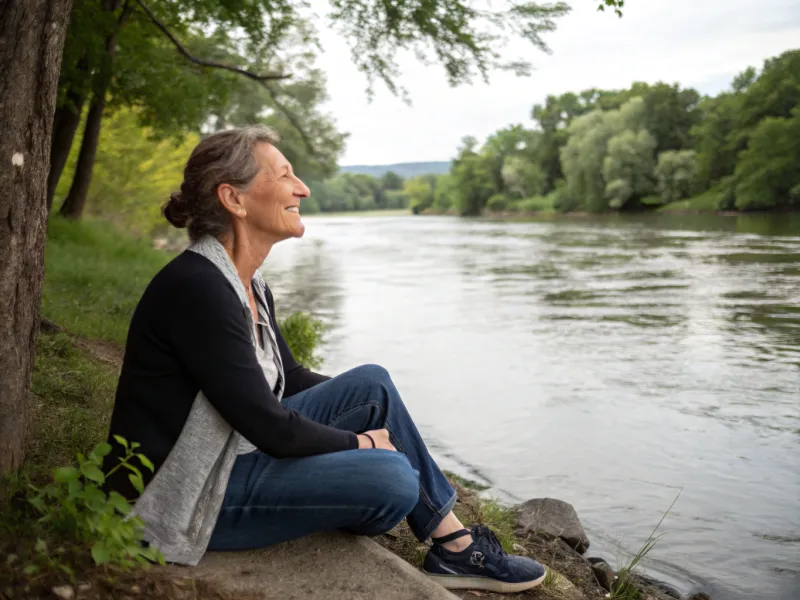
370	439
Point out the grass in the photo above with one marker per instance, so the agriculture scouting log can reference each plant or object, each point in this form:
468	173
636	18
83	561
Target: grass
94	276
73	395
627	587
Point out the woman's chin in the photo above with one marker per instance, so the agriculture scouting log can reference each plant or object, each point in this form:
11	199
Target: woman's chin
298	230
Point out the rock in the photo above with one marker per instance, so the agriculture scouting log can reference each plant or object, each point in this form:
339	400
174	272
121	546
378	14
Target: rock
326	566
553	518
84	587
561	558
655	587
699	596
65	592
604	573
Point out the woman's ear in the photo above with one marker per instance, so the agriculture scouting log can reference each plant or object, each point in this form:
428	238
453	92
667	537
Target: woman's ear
230	199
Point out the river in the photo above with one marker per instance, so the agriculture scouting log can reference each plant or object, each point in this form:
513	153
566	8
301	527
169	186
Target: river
611	362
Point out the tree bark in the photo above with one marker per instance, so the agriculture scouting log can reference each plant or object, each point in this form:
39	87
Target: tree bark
65	125
32	36
74	203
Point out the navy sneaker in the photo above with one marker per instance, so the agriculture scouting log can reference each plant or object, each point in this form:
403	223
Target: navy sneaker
483	565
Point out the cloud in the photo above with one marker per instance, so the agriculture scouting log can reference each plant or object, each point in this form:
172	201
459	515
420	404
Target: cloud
700	43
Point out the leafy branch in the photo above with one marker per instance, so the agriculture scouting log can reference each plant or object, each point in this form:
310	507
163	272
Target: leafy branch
615	5
262	79
205	62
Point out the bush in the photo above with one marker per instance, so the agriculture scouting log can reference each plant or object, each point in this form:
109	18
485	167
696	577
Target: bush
73	516
562	201
497	203
304	334
535	204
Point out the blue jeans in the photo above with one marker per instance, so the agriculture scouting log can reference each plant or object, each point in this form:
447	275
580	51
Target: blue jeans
366	492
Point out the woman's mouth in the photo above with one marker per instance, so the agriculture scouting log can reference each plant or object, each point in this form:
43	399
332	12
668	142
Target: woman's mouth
293	209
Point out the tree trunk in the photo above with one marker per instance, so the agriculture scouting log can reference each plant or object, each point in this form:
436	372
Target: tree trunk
65	125
75	201
32	36
73	205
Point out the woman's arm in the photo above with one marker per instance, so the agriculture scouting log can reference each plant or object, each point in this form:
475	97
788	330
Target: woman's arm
208	330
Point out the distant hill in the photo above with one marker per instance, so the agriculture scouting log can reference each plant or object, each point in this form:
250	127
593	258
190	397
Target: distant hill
405	170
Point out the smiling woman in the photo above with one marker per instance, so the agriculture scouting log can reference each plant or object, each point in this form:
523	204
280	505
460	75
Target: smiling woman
210	390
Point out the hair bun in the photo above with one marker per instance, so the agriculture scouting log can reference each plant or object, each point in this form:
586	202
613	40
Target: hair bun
176	210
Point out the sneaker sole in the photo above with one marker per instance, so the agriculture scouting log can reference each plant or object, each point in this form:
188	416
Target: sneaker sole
464	582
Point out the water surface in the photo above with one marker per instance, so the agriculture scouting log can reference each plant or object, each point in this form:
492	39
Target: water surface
612	363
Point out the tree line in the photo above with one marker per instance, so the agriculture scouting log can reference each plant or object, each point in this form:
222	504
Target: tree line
637	148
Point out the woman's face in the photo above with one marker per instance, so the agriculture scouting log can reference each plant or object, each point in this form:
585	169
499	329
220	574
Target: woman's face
272	200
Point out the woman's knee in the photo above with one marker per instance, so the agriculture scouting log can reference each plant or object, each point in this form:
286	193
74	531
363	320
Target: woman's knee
393	488
374	373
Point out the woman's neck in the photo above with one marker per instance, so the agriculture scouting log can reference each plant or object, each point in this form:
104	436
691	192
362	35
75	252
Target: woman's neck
247	256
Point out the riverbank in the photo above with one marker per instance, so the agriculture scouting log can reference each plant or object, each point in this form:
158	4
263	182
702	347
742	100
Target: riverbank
94	277
392	212
706	203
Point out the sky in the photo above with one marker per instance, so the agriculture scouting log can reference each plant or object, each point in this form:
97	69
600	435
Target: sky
697	43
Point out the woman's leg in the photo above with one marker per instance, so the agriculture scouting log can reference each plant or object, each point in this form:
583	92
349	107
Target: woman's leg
365	491
269	500
365	398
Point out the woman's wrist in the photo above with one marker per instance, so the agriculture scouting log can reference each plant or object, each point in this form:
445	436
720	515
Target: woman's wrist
365	441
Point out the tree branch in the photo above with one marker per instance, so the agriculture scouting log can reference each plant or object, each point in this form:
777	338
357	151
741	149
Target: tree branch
260	79
208	63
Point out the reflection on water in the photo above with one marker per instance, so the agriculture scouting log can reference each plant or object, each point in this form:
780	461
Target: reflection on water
610	362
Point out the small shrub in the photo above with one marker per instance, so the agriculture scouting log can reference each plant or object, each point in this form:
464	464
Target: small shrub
304	334
535	204
563	202
74	510
497	203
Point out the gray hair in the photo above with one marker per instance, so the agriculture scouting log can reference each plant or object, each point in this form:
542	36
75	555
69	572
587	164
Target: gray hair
222	157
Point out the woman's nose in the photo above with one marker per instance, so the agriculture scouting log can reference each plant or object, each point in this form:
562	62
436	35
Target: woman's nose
301	189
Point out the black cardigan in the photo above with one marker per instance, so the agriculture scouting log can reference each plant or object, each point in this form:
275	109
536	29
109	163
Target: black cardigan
189	332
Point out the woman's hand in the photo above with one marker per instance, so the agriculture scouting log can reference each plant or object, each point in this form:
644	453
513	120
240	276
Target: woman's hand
381	437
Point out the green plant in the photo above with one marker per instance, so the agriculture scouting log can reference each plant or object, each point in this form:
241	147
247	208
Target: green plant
75	508
304	334
625	587
497	203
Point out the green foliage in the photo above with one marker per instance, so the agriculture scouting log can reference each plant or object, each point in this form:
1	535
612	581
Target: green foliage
396	199
356	192
304	335
603	145
736	121
420	192
768	171
391	181
497	203
472	180
523	177
535	204
628	167
676	174
74	507
134	173
445	191
615	5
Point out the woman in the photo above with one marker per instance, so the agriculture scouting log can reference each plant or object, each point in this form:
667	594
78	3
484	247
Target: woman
249	447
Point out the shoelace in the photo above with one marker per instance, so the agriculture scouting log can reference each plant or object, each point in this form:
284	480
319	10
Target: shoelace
482	535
